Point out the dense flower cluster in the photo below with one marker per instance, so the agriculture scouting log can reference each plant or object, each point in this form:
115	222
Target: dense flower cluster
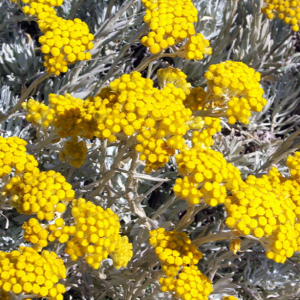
209	127
179	258
122	254
74	152
195	48
174	250
41	9
38	113
97	235
67	117
131	106
267	209
170	21
39	193
36	234
26	271
196	98
63	41
93	235
13	157
174	76
156	117
287	10
236	90
204	127
207	169
293	163
58	231
189	285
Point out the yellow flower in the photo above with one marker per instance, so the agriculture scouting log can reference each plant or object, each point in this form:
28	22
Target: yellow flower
287	10
38	113
185	287
74	152
174	250
14	157
96	235
195	48
235	90
267	208
63	41
32	273
170	23
207	169
39	193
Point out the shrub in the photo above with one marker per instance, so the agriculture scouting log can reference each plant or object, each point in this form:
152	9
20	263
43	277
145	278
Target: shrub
149	149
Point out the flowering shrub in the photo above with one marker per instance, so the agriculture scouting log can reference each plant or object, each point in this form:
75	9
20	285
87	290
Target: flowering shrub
149	150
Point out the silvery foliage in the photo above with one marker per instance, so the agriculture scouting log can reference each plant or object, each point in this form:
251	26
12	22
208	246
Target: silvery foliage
237	31
19	61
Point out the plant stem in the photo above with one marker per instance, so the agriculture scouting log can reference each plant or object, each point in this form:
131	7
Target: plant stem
188	218
144	63
74	9
164	207
112	171
213	238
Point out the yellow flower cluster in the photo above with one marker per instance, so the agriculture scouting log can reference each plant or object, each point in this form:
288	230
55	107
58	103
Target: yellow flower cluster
59	231
236	90
130	107
41	9
122	254
74	152
39	193
97	235
154	151
191	284
195	48
267	209
207	169
287	10
38	113
196	98
174	76
208	126
36	234
63	41
67	114
179	258
174	250
293	163
170	21
26	271
13	156
67	117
